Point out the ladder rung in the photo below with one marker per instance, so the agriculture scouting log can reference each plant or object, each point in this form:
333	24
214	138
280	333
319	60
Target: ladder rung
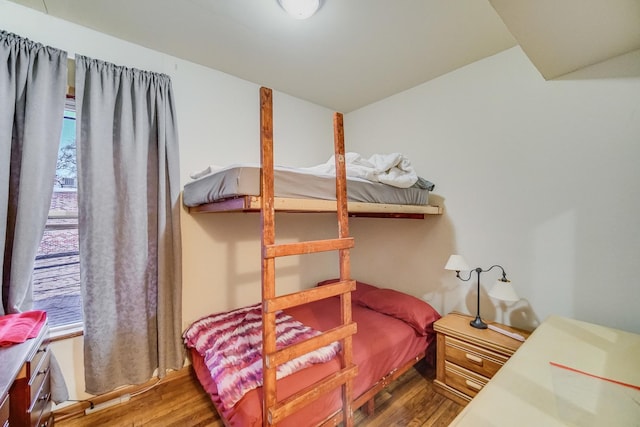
302	248
309	295
306	346
310	394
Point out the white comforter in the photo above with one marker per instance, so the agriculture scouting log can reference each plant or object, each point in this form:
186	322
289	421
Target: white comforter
392	169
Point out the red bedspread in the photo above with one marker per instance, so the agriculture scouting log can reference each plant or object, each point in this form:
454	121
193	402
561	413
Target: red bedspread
382	344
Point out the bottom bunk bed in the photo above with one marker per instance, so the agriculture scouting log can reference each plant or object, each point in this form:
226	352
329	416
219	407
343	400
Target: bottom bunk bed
394	332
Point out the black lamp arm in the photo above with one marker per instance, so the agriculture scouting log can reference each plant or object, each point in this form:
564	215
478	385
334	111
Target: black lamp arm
480	270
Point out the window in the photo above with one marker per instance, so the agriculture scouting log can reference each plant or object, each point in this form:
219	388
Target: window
56	278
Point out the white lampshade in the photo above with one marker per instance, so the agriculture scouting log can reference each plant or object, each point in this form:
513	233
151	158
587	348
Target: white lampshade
457	263
300	9
503	290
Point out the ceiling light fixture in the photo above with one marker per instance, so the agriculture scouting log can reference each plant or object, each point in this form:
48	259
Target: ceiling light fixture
300	9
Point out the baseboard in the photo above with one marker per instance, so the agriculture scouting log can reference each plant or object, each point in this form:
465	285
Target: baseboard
77	409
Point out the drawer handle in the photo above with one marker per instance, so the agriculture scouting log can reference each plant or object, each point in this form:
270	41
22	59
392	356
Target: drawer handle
473	385
474	359
45	396
43	372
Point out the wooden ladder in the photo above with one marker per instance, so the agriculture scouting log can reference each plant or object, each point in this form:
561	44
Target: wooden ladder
275	411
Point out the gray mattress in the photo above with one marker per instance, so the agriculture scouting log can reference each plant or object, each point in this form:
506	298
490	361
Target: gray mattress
244	180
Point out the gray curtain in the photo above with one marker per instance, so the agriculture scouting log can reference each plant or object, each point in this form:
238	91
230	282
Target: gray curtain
129	224
33	81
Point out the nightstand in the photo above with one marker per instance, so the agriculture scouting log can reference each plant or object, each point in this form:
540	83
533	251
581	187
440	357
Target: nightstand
467	357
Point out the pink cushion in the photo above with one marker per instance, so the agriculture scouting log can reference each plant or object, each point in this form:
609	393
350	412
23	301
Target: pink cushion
361	289
414	311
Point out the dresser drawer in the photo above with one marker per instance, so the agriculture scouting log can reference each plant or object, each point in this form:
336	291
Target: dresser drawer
473	358
464	380
38	376
33	363
4	410
41	406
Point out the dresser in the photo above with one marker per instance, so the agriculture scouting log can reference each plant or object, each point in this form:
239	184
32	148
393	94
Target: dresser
25	386
467	357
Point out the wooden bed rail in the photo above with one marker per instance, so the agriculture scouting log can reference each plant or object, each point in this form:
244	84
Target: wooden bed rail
250	204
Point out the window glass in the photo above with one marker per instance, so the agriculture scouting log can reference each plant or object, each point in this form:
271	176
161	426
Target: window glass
56	279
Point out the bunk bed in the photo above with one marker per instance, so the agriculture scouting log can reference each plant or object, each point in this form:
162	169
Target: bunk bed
327	392
394	333
236	188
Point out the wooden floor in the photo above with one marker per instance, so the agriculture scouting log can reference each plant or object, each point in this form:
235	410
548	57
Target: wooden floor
409	401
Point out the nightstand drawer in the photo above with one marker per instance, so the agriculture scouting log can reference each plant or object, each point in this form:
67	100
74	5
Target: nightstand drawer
464	380
474	358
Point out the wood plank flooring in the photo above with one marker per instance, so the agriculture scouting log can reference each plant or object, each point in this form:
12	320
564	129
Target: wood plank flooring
409	401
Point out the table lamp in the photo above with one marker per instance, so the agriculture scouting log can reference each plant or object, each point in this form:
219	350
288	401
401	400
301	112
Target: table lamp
502	290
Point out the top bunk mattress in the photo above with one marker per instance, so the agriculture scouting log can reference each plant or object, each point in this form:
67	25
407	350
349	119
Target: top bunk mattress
244	180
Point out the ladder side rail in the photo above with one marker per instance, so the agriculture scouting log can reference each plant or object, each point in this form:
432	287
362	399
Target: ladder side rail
267	220
345	265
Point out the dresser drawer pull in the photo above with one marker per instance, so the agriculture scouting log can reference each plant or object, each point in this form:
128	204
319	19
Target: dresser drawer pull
473	385
474	359
43	372
44	397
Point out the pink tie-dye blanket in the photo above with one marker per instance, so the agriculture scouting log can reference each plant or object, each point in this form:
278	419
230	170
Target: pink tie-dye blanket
231	345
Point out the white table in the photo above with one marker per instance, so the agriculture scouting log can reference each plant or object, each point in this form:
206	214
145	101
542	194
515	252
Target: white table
529	391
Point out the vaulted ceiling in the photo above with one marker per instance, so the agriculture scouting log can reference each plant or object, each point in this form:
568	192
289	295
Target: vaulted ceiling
355	52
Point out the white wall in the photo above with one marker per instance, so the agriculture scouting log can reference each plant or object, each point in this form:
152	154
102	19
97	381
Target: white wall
538	176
